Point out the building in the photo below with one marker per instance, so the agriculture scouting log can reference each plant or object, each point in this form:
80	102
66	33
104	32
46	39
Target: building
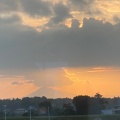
116	110
107	112
20	111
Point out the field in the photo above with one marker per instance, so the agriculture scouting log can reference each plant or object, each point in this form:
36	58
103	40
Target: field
95	117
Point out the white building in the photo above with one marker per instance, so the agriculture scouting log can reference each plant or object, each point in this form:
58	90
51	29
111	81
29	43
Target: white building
107	112
21	111
115	110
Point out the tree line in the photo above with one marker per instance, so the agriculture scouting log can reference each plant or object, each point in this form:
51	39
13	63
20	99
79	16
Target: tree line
79	105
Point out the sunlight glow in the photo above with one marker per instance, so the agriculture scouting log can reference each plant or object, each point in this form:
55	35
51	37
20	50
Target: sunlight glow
15	86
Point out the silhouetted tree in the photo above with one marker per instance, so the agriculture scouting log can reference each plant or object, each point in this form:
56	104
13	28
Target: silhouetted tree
97	104
68	109
45	104
82	104
25	102
102	101
98	95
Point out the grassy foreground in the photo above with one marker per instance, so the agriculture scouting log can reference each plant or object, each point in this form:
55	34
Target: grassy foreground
91	117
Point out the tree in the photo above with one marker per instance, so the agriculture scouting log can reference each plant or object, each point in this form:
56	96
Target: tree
25	102
45	104
82	104
98	95
98	103
68	109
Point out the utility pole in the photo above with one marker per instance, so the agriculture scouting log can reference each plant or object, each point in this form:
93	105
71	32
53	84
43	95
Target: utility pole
48	113
30	112
5	111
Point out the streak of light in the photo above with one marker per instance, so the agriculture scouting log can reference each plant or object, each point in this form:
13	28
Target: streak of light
73	77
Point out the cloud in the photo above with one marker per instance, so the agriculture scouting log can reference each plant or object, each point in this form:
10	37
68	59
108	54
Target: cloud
82	3
9	19
74	77
8	6
11	76
25	82
95	9
103	69
16	83
47	14
61	13
96	44
91	45
13	87
36	7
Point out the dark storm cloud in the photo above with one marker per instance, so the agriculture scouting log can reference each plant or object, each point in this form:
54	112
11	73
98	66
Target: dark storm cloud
37	7
82	2
31	7
96	44
75	24
117	19
61	13
8	5
85	6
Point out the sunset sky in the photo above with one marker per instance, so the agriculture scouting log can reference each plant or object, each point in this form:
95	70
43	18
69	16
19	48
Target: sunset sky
59	48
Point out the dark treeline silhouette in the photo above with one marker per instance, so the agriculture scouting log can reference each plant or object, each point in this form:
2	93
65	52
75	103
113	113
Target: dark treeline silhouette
79	105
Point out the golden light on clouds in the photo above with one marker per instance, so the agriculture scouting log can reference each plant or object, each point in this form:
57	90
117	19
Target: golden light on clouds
106	11
65	2
36	22
74	77
68	23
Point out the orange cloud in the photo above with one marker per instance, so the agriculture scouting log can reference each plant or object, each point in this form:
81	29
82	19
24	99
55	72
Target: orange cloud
74	77
38	22
103	69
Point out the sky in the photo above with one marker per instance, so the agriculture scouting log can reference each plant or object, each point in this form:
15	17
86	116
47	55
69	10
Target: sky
59	48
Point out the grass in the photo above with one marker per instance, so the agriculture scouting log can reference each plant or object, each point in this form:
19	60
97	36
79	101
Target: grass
89	117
